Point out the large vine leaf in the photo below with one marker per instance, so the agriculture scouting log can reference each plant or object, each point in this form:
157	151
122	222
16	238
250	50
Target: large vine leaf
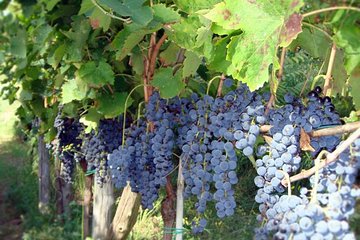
168	84
193	33
95	74
127	39
164	14
265	25
347	38
191	6
78	36
98	19
354	83
70	91
134	9
113	105
191	64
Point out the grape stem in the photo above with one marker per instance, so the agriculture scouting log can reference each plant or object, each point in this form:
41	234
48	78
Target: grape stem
330	158
346	128
221	84
330	9
210	82
327	86
125	109
270	104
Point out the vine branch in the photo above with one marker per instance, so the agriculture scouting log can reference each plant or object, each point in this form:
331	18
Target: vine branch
330	9
330	158
346	128
327	85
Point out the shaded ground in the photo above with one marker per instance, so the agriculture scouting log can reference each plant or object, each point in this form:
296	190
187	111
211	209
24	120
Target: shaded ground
12	156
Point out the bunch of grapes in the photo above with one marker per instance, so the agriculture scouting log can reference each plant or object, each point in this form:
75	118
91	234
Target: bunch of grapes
326	215
145	159
213	128
99	143
67	143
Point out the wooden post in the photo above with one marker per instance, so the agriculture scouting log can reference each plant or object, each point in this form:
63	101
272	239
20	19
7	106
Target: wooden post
125	216
102	209
44	175
87	206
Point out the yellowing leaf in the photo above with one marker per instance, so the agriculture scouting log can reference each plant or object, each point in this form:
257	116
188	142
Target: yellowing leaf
265	26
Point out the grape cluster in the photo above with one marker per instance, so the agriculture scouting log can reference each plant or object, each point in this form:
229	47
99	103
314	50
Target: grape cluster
99	143
67	143
326	215
214	128
145	159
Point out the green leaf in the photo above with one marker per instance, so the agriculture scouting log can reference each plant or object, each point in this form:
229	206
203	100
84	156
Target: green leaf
170	54
96	74
168	84
41	35
347	38
113	105
117	6
191	64
354	83
191	6
164	14
253	51
137	61
70	91
314	42
99	20
50	4
86	7
139	14
193	33
127	39
18	44
56	56
218	63
91	120
134	9
78	36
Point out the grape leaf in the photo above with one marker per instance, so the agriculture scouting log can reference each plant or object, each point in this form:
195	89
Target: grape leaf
70	91
314	42
253	51
127	39
164	14
18	44
95	74
191	6
99	20
134	9
170	54
113	105
354	83
91	119
78	36
56	55
168	84
347	37
193	34
191	64
41	34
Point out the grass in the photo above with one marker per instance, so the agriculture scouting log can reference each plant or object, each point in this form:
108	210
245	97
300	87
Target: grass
7	120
